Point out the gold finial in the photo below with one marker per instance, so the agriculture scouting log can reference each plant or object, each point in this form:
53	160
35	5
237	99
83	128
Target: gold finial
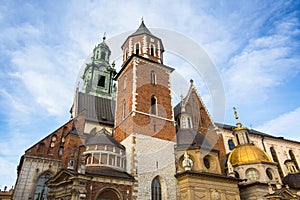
236	117
238	124
235	114
104	36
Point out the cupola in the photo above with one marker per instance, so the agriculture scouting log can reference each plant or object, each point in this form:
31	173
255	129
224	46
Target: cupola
101	52
143	43
102	150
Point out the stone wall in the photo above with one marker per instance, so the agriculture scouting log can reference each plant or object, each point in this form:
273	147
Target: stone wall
147	158
32	169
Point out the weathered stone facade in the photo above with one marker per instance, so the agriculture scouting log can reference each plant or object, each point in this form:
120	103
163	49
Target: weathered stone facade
147	158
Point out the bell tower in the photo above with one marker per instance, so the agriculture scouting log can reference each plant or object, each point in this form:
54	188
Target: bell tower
144	102
98	73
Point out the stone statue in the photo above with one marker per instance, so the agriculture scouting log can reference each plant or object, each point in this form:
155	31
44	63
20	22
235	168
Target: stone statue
187	163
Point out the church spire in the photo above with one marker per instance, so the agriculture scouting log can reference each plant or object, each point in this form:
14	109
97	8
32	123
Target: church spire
98	74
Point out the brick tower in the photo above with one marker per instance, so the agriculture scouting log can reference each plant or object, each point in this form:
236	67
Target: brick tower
144	103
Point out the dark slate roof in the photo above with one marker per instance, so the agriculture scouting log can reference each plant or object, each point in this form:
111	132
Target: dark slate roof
103	138
292	180
189	139
142	30
98	109
108	172
177	109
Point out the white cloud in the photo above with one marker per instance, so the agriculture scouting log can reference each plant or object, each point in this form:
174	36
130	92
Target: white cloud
264	63
7	173
285	125
43	59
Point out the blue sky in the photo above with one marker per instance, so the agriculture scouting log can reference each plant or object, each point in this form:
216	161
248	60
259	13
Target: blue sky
43	44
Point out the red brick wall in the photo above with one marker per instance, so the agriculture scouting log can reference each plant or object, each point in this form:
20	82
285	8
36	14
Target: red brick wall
143	123
149	40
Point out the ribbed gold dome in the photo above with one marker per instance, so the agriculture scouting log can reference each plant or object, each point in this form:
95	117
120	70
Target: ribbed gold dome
248	153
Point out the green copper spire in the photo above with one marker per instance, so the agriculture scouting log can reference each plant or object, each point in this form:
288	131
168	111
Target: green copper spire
98	75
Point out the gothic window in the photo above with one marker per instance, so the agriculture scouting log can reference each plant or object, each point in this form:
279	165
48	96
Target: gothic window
103	55
153	105
97	54
275	159
293	158
137	48
230	144
153	78
124	109
155	189
152	50
41	189
101	81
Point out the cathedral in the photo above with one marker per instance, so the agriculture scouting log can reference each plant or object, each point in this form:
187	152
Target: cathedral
125	140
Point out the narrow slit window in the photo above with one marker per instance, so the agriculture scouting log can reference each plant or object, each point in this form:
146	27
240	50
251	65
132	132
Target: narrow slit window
153	105
153	78
152	50
124	109
137	48
124	82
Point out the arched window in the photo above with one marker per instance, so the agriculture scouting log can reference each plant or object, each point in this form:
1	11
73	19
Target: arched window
155	189
101	81
230	144
252	174
41	189
275	159
152	50
103	55
123	109
137	48
153	78
97	54
293	158
153	105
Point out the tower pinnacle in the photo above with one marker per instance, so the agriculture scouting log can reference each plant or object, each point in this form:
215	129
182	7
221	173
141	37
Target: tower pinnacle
104	36
238	124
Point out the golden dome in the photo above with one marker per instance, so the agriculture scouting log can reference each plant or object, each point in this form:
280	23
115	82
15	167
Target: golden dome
246	154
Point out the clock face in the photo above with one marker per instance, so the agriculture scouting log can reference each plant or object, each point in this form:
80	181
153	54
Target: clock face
53	138
52	144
